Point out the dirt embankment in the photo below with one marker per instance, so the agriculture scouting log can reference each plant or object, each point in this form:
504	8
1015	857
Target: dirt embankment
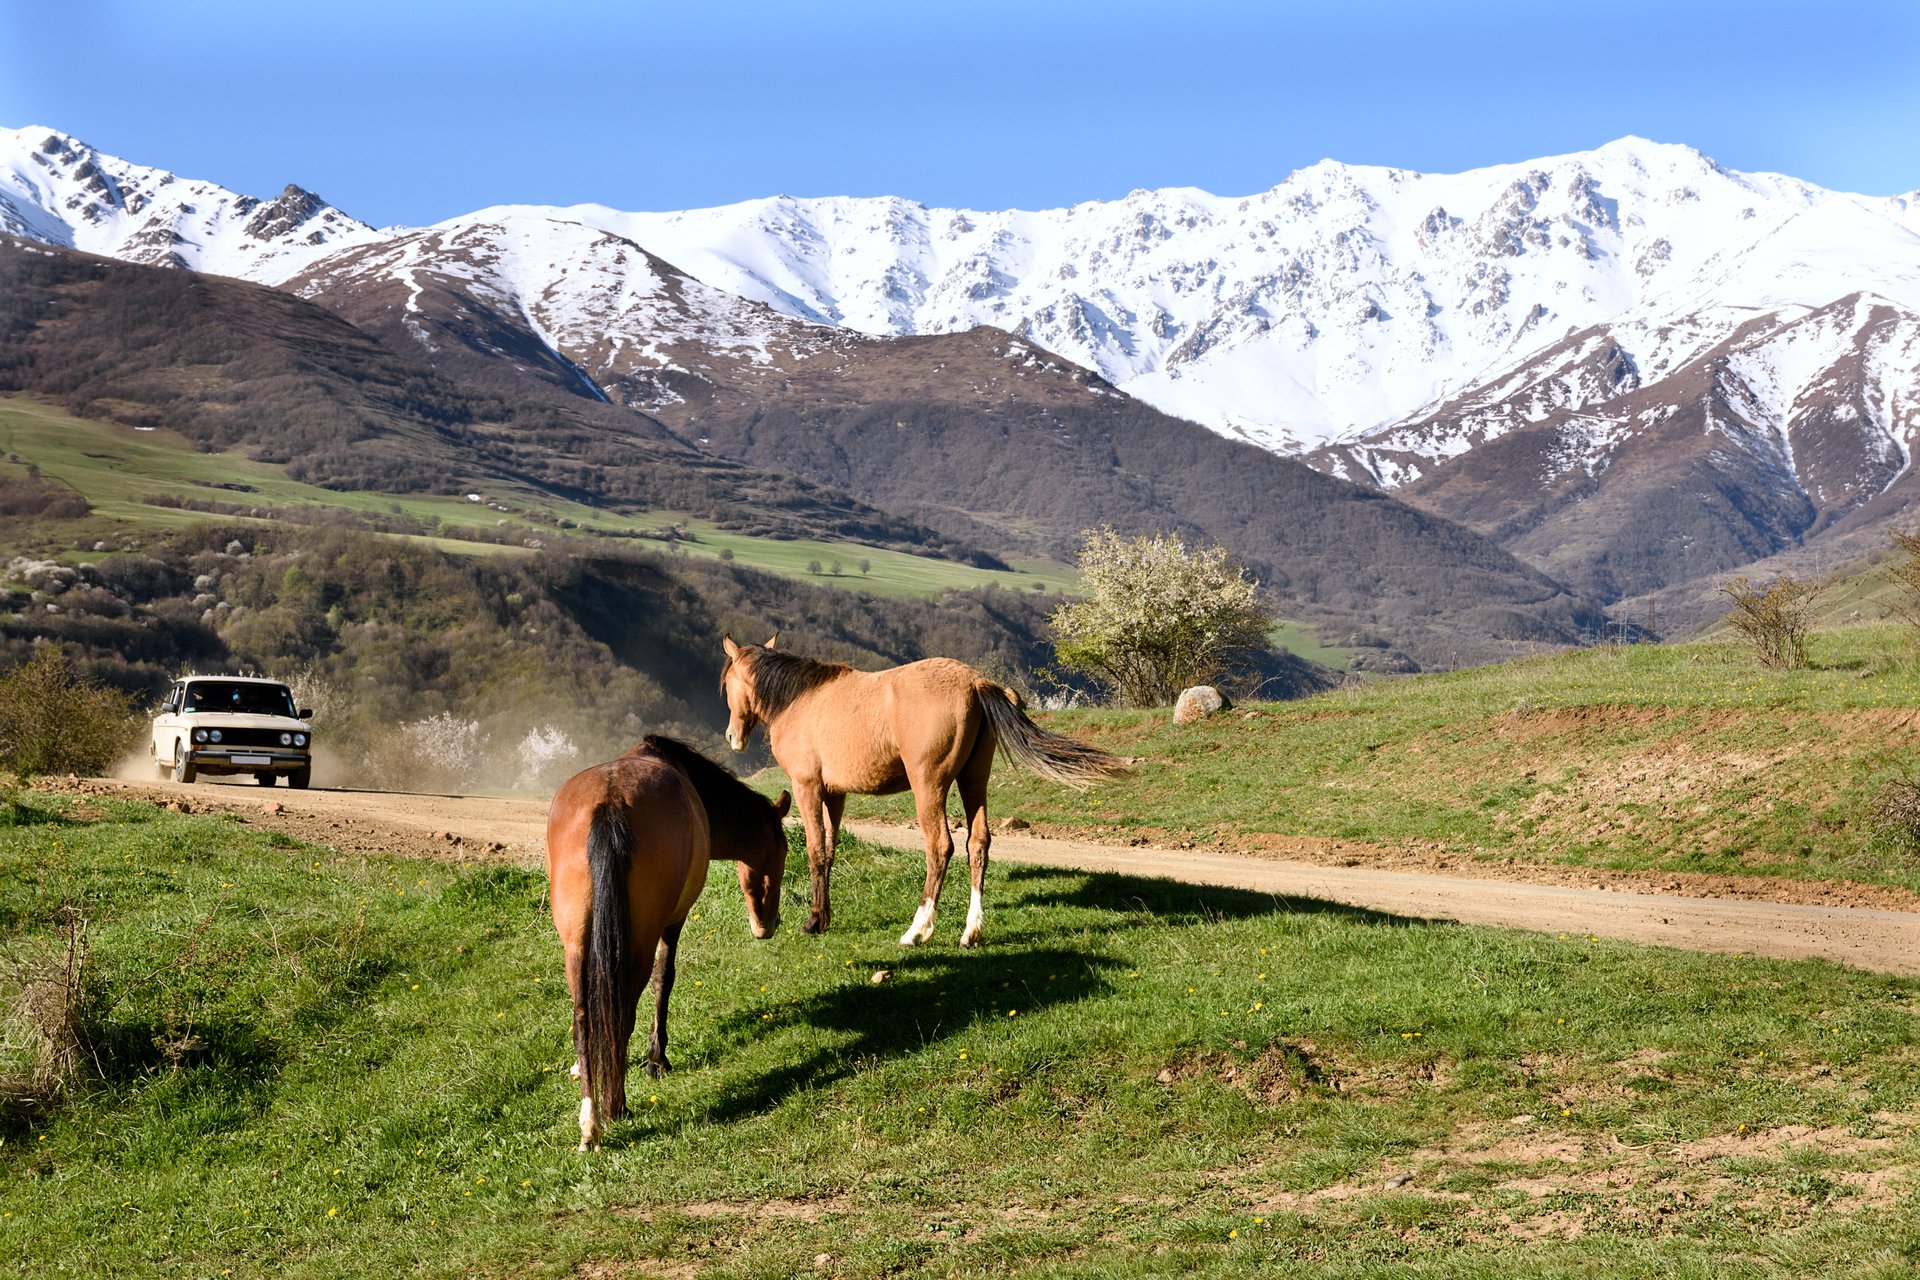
1867	926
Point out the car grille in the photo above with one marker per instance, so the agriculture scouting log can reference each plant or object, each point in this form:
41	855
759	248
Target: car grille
248	738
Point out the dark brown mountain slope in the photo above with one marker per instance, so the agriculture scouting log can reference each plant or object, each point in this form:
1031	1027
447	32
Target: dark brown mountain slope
981	435
1782	435
229	364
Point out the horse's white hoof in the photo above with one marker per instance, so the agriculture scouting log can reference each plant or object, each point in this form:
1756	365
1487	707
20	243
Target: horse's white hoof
922	927
976	920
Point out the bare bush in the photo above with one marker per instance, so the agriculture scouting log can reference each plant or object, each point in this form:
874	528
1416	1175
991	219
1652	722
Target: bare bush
52	722
313	690
1904	575
1775	619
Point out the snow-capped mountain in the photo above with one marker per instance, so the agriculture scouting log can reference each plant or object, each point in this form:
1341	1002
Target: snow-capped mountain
1345	299
589	312
1630	456
58	190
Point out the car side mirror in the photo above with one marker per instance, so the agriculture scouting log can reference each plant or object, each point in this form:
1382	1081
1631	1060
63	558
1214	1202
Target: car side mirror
305	713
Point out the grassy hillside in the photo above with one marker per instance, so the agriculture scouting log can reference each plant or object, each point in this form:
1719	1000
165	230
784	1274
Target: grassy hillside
235	367
141	482
1681	757
153	479
324	1065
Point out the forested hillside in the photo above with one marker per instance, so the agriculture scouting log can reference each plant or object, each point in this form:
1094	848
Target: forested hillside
381	633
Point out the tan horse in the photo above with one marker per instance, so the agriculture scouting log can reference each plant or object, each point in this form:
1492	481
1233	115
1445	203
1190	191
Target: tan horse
922	727
627	850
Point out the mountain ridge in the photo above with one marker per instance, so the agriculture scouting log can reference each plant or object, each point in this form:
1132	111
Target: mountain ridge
1341	300
1471	341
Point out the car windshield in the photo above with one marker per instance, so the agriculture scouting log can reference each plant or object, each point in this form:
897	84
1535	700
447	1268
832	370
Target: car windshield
235	695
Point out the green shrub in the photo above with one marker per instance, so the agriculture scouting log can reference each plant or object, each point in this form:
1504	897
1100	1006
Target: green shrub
51	722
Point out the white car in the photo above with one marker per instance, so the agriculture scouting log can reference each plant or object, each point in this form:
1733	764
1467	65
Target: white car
232	724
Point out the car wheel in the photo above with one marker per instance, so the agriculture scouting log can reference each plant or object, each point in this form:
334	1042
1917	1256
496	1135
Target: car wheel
264	779
300	777
183	770
162	767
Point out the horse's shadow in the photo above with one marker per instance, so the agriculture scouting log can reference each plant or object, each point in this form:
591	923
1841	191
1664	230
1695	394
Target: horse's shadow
1176	901
931	997
934	994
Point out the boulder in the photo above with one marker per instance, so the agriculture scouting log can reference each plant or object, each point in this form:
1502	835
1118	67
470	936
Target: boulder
1198	703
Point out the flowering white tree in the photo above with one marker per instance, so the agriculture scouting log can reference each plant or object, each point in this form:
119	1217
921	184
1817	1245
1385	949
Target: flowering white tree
543	753
1157	617
448	746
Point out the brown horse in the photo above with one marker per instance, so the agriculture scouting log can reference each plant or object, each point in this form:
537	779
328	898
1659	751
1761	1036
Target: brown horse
923	726
627	850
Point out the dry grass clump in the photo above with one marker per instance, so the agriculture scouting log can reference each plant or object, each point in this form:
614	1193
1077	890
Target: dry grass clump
1895	809
57	1005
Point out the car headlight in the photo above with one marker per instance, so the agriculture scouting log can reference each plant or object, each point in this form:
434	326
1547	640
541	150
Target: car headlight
299	739
213	735
199	735
286	739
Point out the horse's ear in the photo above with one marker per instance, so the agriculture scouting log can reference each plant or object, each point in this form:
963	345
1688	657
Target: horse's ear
771	640
726	643
784	803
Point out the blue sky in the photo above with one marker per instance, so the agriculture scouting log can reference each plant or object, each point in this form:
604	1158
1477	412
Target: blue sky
414	110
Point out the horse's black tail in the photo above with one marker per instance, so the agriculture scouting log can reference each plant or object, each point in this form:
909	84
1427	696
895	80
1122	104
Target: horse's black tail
1053	756
607	966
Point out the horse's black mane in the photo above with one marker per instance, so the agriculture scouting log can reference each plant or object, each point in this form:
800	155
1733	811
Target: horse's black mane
736	813
719	790
779	678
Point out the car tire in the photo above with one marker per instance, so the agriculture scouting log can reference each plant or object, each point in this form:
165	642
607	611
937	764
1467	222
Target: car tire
264	779
163	767
183	770
300	777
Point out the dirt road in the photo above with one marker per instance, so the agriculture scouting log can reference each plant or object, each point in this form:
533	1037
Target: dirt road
1867	937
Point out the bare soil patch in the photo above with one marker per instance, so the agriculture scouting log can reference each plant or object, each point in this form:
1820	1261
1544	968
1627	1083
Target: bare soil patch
1523	1178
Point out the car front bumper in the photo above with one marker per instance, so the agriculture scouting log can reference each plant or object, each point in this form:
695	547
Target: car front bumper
248	760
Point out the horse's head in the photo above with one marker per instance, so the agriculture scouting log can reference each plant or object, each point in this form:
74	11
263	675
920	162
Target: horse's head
736	681
763	864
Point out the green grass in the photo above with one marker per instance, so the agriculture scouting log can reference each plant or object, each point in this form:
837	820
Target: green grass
366	1076
1298	640
1663	757
117	468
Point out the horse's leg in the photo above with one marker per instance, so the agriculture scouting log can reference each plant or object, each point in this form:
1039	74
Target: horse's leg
810	801
832	806
930	802
589	1119
973	800
629	1002
657	1064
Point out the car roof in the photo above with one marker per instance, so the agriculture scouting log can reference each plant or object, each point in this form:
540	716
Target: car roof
235	680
